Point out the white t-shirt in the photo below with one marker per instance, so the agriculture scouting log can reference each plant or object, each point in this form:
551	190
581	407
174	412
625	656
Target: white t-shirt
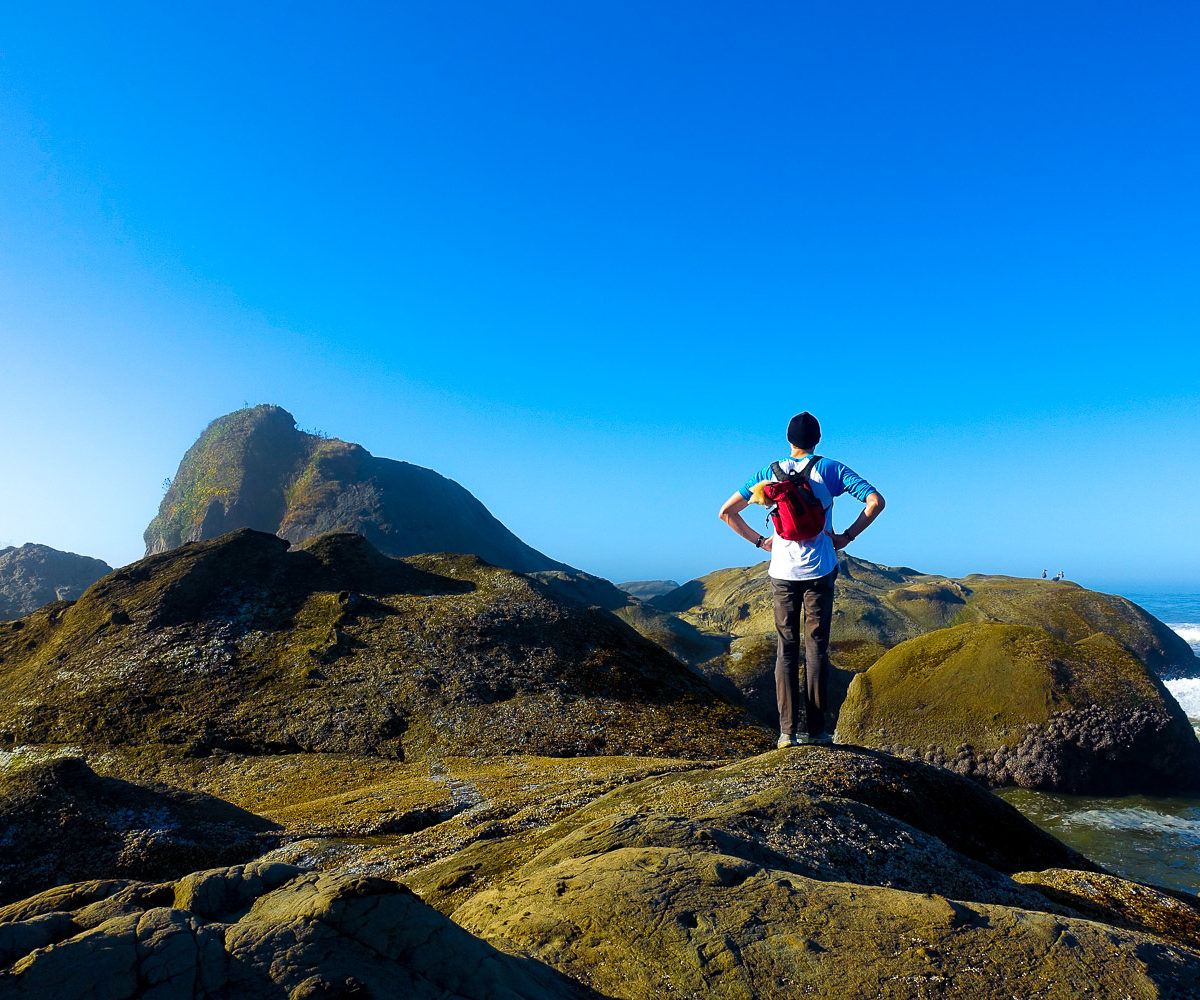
816	557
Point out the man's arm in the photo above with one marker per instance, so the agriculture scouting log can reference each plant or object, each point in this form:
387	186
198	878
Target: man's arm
731	514
874	507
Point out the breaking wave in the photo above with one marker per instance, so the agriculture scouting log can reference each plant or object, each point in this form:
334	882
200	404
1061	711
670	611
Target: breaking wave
1186	691
1190	632
1181	829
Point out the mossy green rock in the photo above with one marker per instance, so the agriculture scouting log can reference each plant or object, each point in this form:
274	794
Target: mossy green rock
253	469
841	814
1011	704
877	607
262	932
813	872
62	823
238	644
1112	900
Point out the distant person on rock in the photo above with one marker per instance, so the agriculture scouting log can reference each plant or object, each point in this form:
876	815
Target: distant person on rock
1043	574
803	568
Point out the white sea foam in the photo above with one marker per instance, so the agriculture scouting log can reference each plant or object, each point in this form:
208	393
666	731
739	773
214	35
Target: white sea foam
1190	632
1142	820
1186	691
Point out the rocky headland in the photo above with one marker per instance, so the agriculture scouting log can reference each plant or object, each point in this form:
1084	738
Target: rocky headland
644	590
244	645
254	469
32	576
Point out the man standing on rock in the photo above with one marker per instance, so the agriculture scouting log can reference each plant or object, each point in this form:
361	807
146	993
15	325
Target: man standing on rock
802	576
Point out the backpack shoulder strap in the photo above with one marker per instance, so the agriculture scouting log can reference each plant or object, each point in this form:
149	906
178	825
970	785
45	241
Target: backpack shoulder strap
780	475
813	460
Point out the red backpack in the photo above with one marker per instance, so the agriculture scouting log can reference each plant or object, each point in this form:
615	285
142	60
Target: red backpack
798	514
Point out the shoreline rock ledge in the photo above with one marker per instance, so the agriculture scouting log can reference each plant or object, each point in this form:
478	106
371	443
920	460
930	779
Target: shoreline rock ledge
827	872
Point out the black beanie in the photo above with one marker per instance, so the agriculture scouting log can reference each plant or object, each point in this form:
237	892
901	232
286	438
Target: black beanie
804	431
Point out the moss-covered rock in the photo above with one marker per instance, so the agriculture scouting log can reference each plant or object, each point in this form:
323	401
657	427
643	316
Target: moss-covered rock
843	814
1112	900
653	921
62	823
1012	704
253	469
262	932
877	607
238	644
810	872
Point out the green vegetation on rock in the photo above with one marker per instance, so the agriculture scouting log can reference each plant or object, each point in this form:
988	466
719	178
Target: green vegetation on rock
1012	704
259	932
876	608
253	469
239	645
809	872
63	823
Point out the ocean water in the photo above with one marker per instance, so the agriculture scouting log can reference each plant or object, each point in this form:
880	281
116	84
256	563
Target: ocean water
1144	838
1180	611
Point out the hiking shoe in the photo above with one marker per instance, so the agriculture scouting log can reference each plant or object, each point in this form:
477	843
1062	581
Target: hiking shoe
787	740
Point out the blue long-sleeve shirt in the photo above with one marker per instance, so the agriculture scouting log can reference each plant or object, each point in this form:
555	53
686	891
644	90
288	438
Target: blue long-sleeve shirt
815	557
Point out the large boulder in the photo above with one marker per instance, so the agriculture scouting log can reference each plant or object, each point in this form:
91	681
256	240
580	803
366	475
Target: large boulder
64	823
32	576
1011	704
238	644
262	932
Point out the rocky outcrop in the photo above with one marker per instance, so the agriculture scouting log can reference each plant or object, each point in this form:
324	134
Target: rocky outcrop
808	872
826	872
1010	704
239	645
877	607
253	469
35	575
262	932
63	823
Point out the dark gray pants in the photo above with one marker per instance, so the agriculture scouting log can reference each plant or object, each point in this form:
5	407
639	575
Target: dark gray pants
815	599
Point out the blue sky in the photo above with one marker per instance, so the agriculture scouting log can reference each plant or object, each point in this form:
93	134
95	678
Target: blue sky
588	258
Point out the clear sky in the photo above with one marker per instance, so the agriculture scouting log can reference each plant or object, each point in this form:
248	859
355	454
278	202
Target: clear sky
587	258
